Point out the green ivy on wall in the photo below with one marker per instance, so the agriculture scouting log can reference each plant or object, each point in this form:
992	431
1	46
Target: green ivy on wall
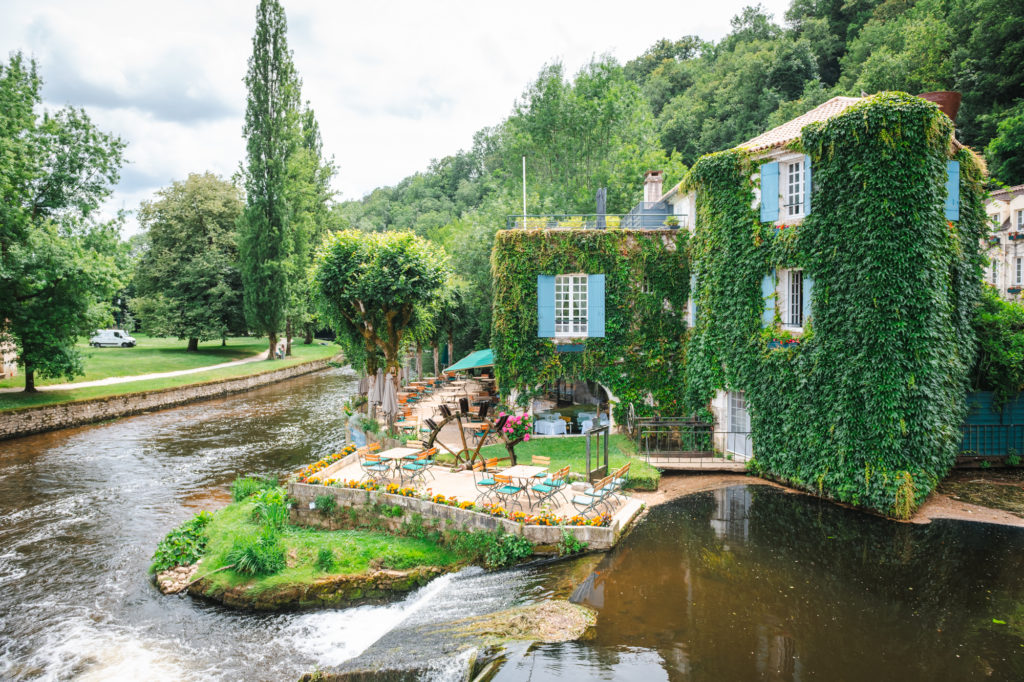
867	408
646	290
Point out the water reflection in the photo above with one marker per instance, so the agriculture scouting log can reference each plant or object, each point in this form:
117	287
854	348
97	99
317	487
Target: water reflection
752	583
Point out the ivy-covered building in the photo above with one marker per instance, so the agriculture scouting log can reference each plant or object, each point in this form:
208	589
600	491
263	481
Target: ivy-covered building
816	306
837	269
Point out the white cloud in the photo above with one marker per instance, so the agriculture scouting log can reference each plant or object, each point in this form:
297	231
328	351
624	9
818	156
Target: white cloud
393	84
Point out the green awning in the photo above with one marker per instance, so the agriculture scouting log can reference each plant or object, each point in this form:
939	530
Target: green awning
478	358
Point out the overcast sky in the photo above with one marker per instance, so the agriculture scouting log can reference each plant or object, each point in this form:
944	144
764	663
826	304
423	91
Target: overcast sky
394	84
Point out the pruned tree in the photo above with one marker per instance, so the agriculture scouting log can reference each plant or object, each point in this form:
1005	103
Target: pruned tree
371	287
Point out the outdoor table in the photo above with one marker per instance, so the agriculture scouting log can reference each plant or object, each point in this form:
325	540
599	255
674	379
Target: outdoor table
550	427
525	474
583	416
397	455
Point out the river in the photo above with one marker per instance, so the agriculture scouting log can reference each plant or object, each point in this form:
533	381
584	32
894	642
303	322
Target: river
745	583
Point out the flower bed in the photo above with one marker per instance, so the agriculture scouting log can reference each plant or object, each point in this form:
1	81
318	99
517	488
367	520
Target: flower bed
304	475
542	518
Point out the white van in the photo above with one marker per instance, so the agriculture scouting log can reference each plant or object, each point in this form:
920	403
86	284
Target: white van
112	337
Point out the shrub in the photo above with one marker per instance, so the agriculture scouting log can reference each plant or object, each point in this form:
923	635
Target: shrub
325	560
325	504
392	511
183	546
507	550
261	554
249	486
270	508
1012	458
570	544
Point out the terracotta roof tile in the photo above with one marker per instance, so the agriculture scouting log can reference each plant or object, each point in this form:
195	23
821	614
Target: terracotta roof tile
791	129
1008	193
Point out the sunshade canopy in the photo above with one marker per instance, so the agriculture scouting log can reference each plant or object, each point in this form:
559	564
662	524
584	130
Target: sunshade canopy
478	358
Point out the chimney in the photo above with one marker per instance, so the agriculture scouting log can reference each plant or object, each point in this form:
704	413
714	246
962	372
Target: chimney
652	186
948	101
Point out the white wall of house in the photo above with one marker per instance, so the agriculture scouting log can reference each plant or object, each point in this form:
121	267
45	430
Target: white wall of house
8	361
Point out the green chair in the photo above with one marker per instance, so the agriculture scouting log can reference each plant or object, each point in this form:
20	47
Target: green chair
552	486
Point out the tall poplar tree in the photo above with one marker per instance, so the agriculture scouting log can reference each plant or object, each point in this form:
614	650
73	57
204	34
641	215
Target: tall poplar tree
271	124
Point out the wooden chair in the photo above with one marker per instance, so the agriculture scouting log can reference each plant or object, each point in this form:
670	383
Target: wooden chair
483	480
597	495
419	466
507	490
541	461
552	486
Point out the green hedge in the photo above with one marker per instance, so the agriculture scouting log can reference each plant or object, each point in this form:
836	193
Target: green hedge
644	343
867	408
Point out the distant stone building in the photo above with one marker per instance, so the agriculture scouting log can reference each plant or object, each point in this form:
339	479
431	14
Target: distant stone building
1006	246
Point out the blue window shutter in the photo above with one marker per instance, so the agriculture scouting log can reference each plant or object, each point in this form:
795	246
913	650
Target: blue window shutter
807	185
595	306
769	192
545	306
768	293
952	190
808	285
693	300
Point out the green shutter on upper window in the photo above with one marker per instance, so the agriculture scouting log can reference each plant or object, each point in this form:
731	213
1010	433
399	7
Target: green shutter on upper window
769	192
545	306
595	306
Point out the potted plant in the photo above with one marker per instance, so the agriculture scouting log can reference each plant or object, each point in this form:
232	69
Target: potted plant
672	221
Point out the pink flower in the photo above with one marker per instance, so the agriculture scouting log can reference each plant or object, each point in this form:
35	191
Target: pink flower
526	437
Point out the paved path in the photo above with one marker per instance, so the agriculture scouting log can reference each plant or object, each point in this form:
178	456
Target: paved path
138	377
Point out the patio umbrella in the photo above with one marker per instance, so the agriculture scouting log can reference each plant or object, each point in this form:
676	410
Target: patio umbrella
364	384
376	388
389	400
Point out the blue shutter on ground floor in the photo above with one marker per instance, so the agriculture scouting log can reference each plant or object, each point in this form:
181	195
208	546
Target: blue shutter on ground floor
952	190
807	185
808	286
769	192
595	306
768	293
545	306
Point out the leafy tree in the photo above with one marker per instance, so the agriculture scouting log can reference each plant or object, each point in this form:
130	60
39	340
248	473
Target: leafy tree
58	267
187	281
1000	364
1005	153
308	189
372	288
270	129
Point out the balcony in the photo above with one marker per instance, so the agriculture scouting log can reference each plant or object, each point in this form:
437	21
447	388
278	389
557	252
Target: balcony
644	216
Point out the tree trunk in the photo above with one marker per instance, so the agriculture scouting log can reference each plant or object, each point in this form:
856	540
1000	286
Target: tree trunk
223	341
437	361
309	334
193	345
419	360
288	339
30	379
451	347
272	355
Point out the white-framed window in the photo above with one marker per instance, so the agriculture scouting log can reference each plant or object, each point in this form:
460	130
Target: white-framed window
1020	270
571	305
794	176
1020	219
994	218
995	272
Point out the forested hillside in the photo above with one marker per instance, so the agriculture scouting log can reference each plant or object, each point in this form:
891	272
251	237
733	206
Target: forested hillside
685	97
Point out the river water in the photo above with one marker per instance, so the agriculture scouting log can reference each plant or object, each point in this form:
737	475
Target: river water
745	583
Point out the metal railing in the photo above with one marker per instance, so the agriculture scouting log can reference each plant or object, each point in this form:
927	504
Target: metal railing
992	440
591	221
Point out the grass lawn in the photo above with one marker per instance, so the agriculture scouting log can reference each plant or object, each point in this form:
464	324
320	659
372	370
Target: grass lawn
149	356
572	451
353	550
300	353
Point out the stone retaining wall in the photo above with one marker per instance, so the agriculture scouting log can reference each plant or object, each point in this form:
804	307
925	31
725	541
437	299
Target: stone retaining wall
304	493
29	420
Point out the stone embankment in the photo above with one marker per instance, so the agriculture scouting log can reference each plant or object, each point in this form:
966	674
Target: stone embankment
376	586
30	420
